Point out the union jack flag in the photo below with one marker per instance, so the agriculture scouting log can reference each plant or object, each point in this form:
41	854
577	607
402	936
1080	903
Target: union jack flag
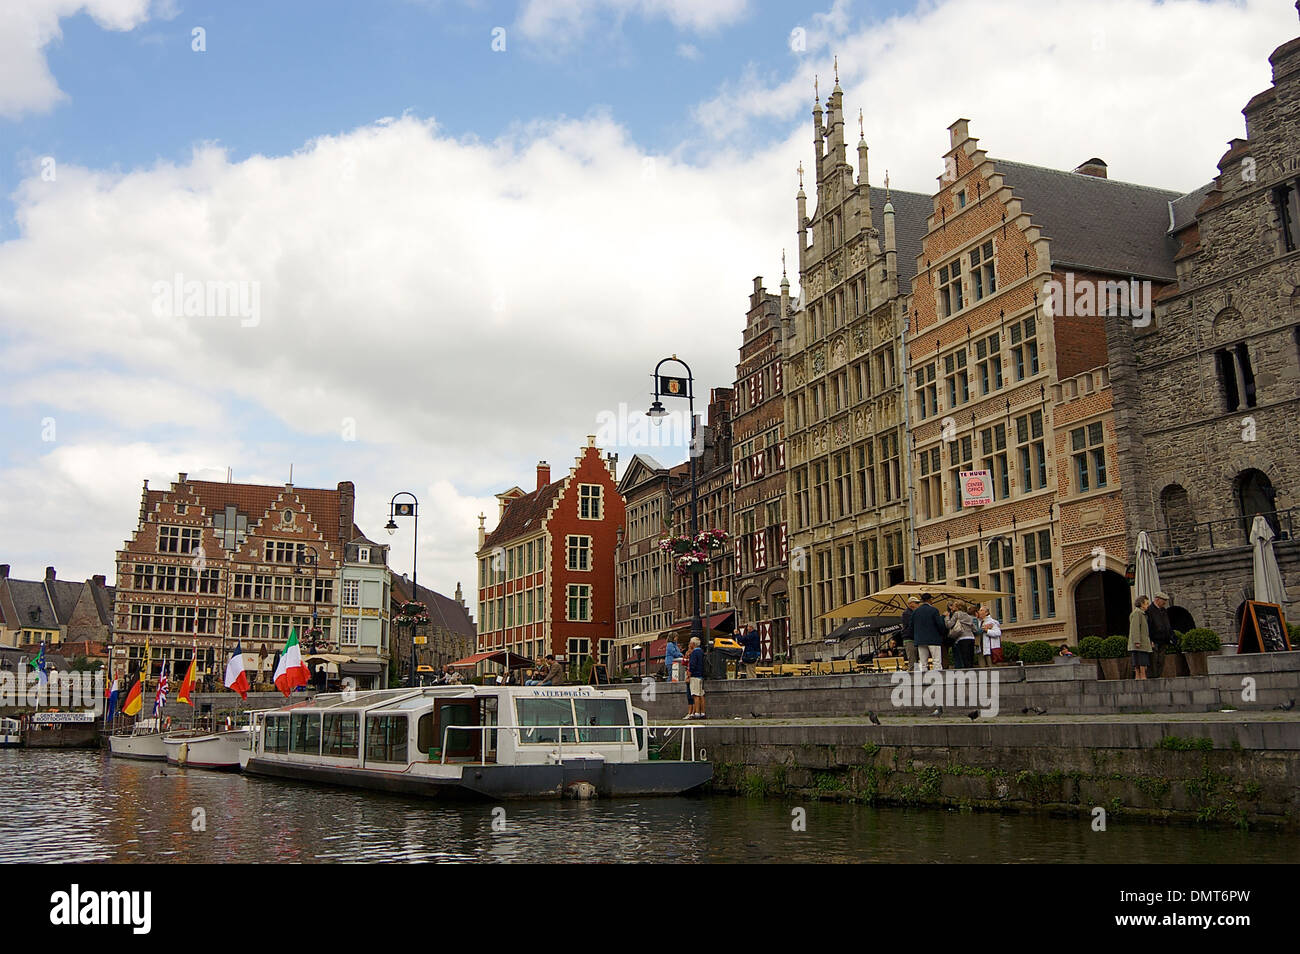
161	699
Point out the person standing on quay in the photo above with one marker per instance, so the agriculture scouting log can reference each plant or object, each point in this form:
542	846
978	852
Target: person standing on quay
962	626
672	653
909	641
928	630
1162	631
695	664
991	650
1139	638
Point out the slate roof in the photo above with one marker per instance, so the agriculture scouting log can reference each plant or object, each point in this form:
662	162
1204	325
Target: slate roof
64	595
254	500
444	612
912	211
1098	224
524	514
1182	210
30	595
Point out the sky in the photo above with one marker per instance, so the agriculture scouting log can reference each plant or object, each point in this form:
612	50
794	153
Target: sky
423	244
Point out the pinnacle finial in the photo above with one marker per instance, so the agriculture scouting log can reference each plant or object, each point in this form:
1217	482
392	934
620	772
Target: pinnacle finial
861	134
836	61
783	265
817	96
800	171
886	185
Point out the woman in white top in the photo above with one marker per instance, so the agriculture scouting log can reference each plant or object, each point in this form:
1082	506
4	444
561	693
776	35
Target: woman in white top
991	648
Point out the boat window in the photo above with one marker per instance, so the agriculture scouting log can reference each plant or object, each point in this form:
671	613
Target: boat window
639	721
386	738
544	712
340	735
305	733
276	737
602	712
426	733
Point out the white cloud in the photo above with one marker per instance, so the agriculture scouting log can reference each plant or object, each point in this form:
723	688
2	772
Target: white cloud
564	20
27	27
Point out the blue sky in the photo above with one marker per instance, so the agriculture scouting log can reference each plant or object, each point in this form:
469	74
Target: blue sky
472	255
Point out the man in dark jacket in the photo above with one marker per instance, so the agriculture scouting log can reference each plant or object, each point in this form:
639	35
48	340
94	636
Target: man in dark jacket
928	630
751	648
1162	631
909	640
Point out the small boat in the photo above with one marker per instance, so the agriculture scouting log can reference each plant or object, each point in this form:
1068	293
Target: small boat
144	741
11	735
205	748
489	742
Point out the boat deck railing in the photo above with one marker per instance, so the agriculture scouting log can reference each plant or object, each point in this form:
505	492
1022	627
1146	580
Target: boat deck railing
689	747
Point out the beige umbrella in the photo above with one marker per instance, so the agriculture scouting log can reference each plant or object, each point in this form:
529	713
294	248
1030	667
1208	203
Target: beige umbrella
1146	578
893	600
1269	587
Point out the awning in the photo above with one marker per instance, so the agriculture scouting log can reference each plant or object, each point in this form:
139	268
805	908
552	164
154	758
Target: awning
361	668
502	657
892	601
328	657
717	623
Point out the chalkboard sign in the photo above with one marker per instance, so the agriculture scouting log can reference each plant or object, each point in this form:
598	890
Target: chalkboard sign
1263	629
599	675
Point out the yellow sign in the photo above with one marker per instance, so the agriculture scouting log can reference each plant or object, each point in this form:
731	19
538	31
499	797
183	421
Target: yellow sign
421	640
719	596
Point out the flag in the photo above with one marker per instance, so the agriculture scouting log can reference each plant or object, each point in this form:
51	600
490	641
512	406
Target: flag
187	685
134	699
112	702
160	699
292	671
236	678
39	664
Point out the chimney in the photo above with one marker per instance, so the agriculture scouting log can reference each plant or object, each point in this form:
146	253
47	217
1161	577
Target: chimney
1093	167
4	571
49	574
347	508
180	478
460	595
99	580
543	474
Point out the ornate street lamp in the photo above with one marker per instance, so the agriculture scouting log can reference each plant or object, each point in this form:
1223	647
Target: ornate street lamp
405	509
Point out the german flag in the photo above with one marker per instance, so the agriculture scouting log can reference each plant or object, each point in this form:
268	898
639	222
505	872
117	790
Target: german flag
134	699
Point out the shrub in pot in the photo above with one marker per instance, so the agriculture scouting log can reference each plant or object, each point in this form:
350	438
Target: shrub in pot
1114	659
1010	652
1090	648
1036	651
1197	644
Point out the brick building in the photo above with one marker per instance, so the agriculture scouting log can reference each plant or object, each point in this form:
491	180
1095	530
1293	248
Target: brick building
1208	393
547	571
848	531
758	520
1009	368
713	480
647	580
213	563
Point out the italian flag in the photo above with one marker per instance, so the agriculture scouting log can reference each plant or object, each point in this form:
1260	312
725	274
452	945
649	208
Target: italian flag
292	671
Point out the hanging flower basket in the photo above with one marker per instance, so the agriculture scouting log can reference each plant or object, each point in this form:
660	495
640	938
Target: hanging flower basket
411	613
705	540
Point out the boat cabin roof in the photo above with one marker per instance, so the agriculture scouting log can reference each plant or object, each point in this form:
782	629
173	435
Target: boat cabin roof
401	700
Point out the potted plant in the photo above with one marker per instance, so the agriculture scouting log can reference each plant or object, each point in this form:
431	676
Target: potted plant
1090	648
1197	644
1036	651
1115	660
1175	663
1010	652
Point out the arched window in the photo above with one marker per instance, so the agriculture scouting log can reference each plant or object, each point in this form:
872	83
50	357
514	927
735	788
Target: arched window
1254	494
1180	522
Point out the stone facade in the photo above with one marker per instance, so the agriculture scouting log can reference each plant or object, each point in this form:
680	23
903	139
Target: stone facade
647	584
1207	394
848	525
758	519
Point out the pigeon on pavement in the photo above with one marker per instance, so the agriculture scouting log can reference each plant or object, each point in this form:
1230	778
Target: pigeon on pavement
973	714
875	719
1286	706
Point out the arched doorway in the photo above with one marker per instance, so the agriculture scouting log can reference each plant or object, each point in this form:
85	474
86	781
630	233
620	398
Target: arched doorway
1180	619
1180	524
1255	495
1101	605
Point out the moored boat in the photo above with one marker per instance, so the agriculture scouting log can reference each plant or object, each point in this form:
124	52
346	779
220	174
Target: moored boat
10	734
144	741
471	741
204	748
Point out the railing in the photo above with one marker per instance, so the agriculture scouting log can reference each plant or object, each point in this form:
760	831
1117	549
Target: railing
1226	534
574	743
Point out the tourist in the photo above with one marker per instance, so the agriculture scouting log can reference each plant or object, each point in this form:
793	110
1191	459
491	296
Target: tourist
554	673
962	626
909	642
752	649
1139	638
1162	631
671	654
928	630
695	666
991	648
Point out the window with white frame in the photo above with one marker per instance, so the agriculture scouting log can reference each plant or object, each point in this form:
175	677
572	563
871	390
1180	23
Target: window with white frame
956	378
579	552
589	501
351	592
1032	451
983	277
988	363
579	603
178	539
1088	453
950	294
348	632
1038	574
1024	348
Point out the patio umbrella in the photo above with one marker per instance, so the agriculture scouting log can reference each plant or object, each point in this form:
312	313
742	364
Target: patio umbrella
1268	577
893	600
1147	580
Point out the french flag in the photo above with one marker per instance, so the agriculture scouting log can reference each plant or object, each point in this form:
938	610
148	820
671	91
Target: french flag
236	678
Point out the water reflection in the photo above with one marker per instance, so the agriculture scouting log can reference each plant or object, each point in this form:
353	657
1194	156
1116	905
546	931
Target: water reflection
84	806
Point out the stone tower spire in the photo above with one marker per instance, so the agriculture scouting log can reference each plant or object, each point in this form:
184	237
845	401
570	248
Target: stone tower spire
819	132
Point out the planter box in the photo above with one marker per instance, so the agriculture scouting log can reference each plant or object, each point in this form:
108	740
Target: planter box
1198	663
1110	668
1174	665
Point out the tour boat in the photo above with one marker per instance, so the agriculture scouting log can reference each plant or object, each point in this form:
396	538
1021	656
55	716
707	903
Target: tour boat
144	741
477	741
10	734
205	748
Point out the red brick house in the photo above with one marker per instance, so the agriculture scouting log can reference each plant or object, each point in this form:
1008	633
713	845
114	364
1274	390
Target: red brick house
547	571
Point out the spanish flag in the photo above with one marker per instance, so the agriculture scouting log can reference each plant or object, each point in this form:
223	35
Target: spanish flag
134	699
187	685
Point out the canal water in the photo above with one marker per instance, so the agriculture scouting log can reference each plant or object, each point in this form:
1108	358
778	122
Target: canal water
72	806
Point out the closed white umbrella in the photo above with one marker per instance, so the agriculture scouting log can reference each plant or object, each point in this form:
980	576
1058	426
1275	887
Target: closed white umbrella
1147	580
1268	576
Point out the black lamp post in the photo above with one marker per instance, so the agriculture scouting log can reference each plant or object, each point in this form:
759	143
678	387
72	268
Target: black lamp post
411	510
674	387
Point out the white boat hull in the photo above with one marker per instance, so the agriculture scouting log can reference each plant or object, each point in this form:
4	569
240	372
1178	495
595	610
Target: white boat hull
10	741
210	750
144	746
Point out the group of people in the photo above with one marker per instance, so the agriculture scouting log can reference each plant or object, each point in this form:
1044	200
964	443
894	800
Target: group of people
976	637
1150	634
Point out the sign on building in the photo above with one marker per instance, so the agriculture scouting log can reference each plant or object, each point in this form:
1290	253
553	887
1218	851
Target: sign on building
719	596
976	488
